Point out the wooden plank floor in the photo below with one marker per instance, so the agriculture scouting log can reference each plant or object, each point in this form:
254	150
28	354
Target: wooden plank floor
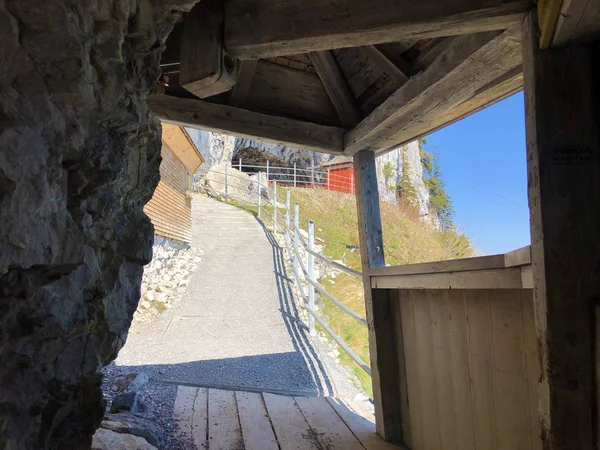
234	420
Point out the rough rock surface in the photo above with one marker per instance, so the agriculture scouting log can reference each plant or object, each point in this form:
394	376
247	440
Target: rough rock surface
109	440
79	157
165	279
415	171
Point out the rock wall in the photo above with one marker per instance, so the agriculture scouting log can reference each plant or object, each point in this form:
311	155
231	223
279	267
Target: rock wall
79	157
415	169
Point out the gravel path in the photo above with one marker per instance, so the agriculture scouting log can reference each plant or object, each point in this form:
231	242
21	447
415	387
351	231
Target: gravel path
238	323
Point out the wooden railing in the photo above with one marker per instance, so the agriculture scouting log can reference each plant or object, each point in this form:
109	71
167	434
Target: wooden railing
463	342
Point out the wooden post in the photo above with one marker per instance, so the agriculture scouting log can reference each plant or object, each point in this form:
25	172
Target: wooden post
563	160
240	164
311	274
294	174
382	331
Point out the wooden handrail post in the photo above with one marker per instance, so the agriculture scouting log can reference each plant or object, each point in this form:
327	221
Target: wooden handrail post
294	174
311	274
259	193
240	164
274	206
385	359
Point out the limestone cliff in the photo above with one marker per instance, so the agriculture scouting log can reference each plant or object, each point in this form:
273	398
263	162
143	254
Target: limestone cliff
218	149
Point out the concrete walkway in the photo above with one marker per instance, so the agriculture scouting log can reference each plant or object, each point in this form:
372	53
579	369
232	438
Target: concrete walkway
237	325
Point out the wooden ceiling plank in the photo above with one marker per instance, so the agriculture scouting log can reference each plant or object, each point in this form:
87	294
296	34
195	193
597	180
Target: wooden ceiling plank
285	91
266	28
240	122
336	87
578	22
386	65
548	11
469	63
240	90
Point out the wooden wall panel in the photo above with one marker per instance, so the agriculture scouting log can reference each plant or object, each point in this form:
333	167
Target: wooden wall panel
180	144
170	213
470	369
173	172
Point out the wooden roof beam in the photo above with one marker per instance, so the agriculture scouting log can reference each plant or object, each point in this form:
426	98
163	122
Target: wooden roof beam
471	64
399	76
267	28
245	73
336	87
240	122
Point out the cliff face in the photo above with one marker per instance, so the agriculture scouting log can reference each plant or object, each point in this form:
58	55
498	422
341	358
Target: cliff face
218	149
79	158
387	186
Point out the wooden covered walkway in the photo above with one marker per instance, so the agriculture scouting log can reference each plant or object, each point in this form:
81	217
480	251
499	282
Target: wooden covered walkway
227	420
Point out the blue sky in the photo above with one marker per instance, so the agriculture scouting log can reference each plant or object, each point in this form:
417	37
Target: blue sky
483	161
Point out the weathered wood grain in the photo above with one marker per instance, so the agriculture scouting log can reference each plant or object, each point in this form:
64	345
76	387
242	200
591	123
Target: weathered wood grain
205	70
266	28
245	123
469	64
245	73
336	87
400	77
224	431
289	424
563	150
382	333
451	265
284	91
254	420
363	429
330	430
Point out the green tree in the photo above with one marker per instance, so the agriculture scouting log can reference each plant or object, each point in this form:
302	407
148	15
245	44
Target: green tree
388	173
406	191
439	200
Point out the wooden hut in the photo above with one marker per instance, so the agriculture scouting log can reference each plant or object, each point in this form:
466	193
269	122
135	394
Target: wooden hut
170	207
357	78
339	174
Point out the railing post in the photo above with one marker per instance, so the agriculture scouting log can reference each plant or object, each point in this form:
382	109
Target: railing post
240	164
274	206
267	173
296	228
311	275
226	183
294	174
287	218
259	193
